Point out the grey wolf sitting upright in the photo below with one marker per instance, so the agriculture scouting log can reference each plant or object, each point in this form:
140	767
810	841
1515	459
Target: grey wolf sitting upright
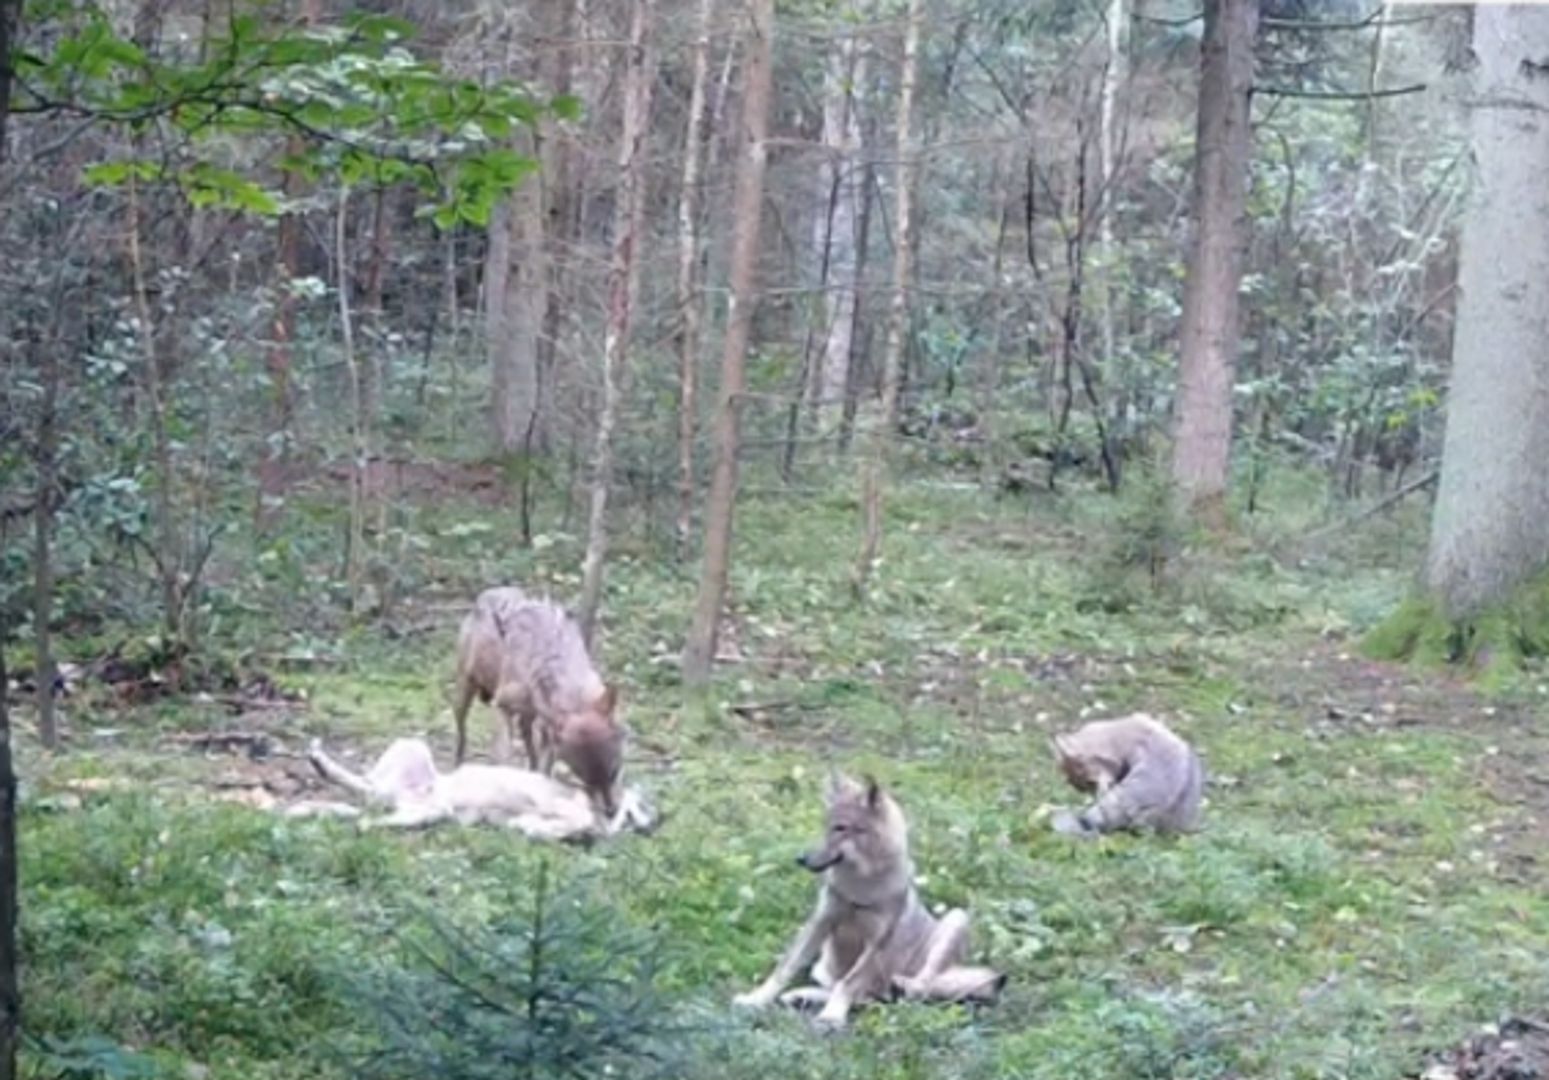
870	933
405	781
1144	777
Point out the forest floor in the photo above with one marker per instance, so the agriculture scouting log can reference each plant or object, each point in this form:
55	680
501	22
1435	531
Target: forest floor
1371	886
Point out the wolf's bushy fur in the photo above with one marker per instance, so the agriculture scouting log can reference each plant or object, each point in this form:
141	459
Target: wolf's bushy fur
526	656
1144	776
871	935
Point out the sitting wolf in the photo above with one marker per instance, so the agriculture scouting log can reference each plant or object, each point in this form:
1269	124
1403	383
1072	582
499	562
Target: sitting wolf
874	935
528	659
405	781
1144	776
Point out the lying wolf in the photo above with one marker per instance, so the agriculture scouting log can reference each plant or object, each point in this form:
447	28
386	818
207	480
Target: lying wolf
873	933
406	782
527	658
1144	776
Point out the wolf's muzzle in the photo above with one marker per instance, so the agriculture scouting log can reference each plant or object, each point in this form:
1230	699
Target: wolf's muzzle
818	861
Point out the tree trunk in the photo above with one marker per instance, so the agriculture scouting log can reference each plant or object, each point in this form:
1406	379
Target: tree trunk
623	285
1202	440
690	308
279	360
1113	77
514	287
747	220
836	230
360	445
1490	533
561	22
169	545
10	25
10	990
873	477
43	559
859	340
273	457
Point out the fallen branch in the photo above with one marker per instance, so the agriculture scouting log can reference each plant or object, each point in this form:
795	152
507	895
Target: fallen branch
1382	505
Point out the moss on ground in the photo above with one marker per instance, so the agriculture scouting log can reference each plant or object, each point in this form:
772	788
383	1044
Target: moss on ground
1494	642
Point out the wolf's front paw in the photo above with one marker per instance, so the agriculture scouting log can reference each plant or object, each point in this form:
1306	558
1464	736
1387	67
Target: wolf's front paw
831	1019
1069	824
753	999
909	987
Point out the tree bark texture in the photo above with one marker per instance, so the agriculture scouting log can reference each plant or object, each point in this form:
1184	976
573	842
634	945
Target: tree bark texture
1202	435
747	219
43	537
10	24
1490	531
514	289
10	988
623	286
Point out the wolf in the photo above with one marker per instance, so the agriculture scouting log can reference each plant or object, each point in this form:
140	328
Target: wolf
527	658
1144	776
871	935
405	781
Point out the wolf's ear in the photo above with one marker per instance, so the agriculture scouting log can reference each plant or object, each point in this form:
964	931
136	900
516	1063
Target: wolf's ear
873	793
1061	749
839	785
609	698
834	786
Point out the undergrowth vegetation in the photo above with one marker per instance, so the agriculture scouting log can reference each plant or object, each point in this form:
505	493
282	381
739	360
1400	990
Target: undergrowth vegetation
1367	884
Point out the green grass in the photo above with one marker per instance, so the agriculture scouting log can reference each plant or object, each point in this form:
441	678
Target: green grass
1351	902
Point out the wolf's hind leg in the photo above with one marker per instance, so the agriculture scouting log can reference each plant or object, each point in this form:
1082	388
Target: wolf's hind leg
966	984
943	976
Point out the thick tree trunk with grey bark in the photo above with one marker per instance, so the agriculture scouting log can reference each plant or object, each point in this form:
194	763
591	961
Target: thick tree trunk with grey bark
1490	533
515	283
1202	437
623	285
747	219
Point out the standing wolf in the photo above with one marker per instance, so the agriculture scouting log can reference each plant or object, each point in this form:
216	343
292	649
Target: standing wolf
1144	776
527	658
873	933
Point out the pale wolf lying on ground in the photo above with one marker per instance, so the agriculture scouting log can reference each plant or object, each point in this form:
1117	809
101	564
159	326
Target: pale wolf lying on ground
874	934
405	781
1144	776
527	658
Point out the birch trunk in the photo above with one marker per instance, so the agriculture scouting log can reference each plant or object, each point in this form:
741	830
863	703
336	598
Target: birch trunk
747	219
623	285
835	231
690	308
1113	78
873	468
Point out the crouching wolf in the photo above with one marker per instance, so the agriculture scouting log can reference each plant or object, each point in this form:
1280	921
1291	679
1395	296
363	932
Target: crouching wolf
527	658
870	934
1144	776
406	782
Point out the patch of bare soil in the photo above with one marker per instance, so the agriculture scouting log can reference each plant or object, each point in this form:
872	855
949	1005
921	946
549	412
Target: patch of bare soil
1517	1050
